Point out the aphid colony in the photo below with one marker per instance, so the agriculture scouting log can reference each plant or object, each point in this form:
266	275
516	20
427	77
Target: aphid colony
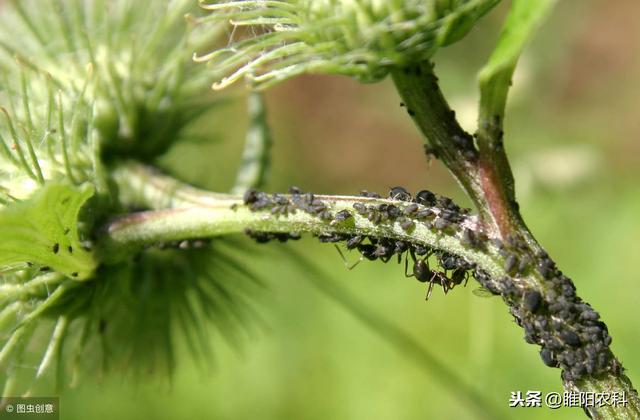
437	213
569	331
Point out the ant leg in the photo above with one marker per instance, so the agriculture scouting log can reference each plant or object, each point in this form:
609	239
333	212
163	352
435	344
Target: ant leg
406	266
430	287
446	283
346	263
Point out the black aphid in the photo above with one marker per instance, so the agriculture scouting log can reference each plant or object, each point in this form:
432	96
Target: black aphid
570	338
547	357
250	196
510	263
532	301
342	215
407	225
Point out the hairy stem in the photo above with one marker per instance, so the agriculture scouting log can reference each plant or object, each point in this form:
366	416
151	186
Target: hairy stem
476	170
184	212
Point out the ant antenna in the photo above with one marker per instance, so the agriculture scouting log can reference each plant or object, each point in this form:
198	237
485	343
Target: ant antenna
344	259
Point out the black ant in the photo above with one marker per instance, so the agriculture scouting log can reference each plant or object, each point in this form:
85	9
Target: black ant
423	273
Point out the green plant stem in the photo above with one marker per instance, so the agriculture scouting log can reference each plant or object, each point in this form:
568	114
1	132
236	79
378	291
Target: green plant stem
487	178
184	212
418	87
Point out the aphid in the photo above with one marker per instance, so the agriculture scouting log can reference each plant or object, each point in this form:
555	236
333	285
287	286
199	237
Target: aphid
392	211
399	193
542	254
425	214
449	216
355	241
410	209
295	190
341	216
590	315
532	300
524	263
250	196
420	249
570	338
331	237
448	262
407	225
470	154
546	268
70	249
441	224
374	217
56	248
462	142
469	238
426	198
547	357
510	263
400	247
360	208
366	193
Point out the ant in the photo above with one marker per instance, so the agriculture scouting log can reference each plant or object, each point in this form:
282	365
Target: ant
423	273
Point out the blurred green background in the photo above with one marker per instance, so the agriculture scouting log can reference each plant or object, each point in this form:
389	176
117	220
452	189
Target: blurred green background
572	134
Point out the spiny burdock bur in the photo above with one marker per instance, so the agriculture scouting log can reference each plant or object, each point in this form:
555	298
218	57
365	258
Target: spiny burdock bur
363	39
85	86
94	92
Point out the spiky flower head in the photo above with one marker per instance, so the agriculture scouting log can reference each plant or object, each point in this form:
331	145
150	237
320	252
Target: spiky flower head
83	82
84	85
360	38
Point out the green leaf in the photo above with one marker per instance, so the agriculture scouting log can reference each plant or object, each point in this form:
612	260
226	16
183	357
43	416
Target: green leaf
43	230
495	77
